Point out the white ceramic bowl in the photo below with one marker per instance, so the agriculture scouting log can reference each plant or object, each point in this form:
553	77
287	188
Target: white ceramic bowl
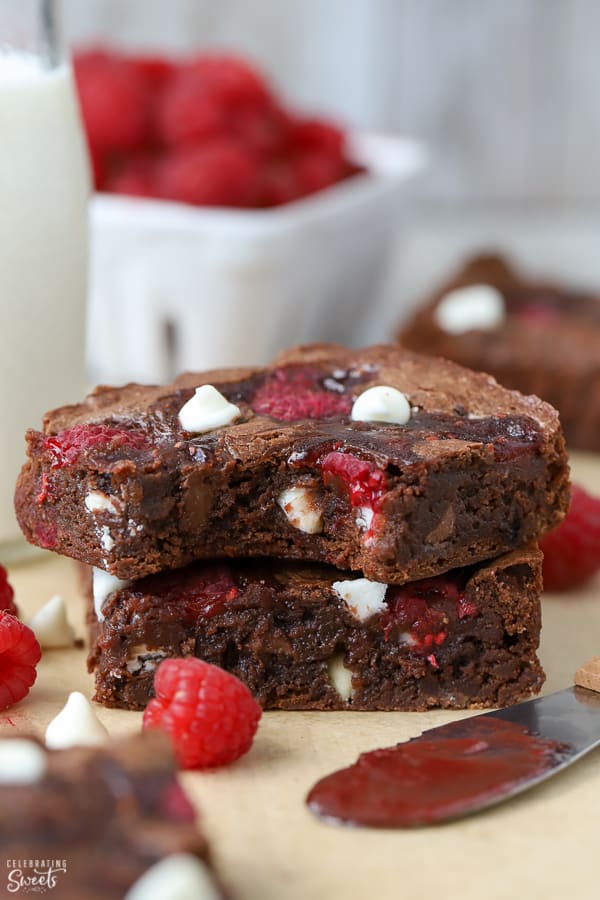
175	287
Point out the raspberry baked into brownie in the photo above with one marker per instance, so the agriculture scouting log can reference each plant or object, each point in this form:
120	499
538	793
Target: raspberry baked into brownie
341	529
312	637
533	336
307	459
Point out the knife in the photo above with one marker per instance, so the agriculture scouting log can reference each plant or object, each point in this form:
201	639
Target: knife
466	766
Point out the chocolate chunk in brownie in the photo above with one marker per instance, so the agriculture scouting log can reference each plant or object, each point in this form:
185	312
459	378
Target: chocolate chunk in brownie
533	336
99	816
475	470
316	638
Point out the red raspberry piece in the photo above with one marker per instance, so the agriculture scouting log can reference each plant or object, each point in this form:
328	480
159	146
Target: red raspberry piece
156	70
7	604
425	608
279	183
66	446
115	102
572	551
317	170
292	394
213	96
364	481
136	178
209	714
195	592
219	173
20	652
317	134
187	113
234	81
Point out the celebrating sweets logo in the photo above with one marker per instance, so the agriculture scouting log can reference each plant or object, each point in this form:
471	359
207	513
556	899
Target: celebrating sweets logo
34	876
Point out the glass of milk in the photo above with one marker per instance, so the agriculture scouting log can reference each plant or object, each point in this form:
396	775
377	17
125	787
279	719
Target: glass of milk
44	192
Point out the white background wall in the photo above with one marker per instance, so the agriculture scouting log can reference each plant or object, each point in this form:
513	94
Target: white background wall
507	91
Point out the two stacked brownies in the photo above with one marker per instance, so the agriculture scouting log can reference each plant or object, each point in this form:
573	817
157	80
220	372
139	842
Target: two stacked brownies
343	529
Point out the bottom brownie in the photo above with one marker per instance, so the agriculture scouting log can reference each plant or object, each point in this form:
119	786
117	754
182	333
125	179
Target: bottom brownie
315	638
90	821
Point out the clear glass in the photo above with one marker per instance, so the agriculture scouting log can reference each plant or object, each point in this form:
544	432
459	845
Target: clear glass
44	194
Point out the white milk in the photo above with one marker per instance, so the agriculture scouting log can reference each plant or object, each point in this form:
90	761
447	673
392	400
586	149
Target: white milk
44	190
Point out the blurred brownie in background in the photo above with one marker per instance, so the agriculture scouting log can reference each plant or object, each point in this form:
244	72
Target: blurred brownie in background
534	336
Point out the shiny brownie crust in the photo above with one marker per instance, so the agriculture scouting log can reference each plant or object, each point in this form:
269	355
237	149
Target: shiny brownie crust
477	471
464	639
110	812
548	344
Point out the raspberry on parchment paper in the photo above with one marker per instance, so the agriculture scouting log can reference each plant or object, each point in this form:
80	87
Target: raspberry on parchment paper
210	716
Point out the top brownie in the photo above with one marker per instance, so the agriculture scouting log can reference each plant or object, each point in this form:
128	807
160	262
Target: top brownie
477	470
538	337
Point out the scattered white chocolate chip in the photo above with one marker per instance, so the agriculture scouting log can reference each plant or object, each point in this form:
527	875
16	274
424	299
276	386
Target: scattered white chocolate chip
340	676
96	501
207	409
300	507
180	876
476	306
51	625
21	762
363	598
104	584
76	725
381	404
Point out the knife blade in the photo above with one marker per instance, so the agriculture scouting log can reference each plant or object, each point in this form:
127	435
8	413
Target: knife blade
466	766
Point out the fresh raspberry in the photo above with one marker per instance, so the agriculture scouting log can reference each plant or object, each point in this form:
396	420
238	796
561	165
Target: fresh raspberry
279	183
263	128
219	173
364	482
572	551
234	81
115	102
292	394
156	70
7	604
317	170
66	446
20	652
317	134
209	714
135	178
214	96
187	114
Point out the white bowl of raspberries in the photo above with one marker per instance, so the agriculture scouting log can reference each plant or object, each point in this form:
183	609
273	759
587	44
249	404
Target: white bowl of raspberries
225	226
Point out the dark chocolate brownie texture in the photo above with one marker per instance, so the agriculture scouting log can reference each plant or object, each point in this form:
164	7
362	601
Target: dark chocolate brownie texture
115	482
316	638
110	812
546	343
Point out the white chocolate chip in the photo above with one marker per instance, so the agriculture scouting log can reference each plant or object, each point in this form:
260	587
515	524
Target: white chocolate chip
363	598
76	725
180	876
21	762
51	625
381	404
96	501
106	538
340	676
364	517
301	510
207	409
477	306
104	584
